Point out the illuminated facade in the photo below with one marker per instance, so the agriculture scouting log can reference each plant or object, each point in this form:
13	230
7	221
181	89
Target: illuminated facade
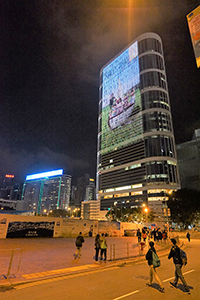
193	19
136	158
44	192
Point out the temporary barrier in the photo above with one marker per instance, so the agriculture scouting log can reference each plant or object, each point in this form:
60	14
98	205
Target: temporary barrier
10	260
125	250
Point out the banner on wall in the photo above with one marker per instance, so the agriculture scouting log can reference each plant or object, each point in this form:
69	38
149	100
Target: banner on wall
30	229
193	19
3	227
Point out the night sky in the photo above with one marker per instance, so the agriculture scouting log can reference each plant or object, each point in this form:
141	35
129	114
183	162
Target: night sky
51	55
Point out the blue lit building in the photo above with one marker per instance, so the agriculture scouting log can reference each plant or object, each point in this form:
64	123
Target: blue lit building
136	158
44	192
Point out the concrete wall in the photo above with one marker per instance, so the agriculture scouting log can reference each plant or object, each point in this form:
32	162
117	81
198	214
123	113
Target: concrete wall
18	226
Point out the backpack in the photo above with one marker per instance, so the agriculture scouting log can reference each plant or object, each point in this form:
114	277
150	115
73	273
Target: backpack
79	241
183	256
156	260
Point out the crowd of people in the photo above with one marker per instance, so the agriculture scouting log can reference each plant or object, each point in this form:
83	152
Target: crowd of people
157	235
100	244
144	235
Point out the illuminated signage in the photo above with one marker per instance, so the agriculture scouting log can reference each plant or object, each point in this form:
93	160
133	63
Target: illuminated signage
45	174
9	176
121	101
193	19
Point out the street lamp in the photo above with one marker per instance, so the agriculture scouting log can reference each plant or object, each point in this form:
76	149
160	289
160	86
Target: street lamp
146	210
69	209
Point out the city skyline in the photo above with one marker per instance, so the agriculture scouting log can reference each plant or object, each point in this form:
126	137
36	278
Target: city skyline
50	63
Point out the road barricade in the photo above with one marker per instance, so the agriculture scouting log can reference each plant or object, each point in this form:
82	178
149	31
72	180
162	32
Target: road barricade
10	260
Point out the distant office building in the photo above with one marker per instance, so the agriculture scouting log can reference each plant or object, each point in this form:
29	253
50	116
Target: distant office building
90	190
10	190
188	155
136	159
44	192
85	190
73	197
17	191
7	204
90	210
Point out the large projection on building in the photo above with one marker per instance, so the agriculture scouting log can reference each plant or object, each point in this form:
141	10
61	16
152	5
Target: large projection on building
121	101
193	19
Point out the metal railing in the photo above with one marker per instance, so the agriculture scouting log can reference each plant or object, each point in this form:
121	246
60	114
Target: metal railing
125	250
130	250
10	260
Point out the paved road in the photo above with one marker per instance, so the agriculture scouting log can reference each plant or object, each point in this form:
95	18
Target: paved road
53	256
125	281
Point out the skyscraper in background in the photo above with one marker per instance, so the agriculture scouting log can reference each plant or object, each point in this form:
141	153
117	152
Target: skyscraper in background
85	189
188	154
9	189
136	158
44	192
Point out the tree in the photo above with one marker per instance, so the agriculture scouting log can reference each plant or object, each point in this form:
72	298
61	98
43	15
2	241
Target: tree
184	205
129	215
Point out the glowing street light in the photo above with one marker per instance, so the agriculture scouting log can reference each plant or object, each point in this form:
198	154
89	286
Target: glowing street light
69	209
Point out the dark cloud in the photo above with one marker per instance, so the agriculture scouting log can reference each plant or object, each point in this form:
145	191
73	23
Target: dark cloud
52	53
23	162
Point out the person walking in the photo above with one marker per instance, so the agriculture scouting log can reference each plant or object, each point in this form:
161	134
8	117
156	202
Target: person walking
188	236
175	253
144	235
152	271
164	236
103	245
79	242
97	247
139	235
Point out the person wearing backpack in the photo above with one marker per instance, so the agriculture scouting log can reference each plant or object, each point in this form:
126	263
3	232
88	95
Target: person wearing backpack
176	254
103	246
79	242
153	262
97	247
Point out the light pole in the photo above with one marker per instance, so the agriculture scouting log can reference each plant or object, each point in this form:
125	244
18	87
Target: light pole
145	210
69	209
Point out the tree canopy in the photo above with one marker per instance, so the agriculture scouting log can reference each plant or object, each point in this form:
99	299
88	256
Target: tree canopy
184	205
129	215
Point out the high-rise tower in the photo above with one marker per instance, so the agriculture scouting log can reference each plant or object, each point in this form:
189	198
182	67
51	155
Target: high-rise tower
136	158
44	192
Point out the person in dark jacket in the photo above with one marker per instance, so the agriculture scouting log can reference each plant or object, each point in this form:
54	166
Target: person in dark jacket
79	241
152	268
139	234
175	253
188	236
97	247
